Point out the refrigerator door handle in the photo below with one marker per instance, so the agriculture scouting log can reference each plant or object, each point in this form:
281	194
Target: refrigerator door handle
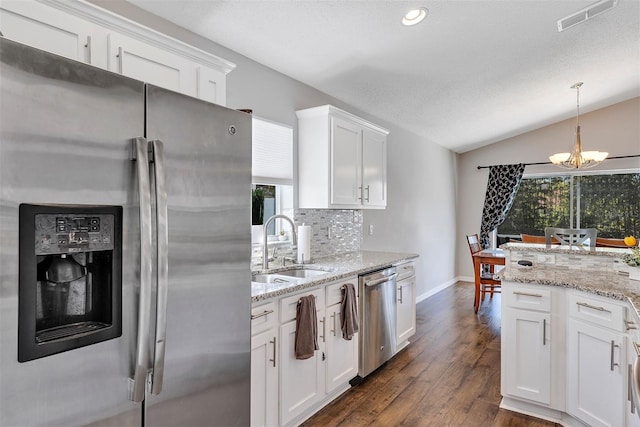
140	155
162	230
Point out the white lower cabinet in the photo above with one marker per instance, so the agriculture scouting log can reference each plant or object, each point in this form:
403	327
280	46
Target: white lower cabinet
527	370
405	311
264	379
567	356
342	355
301	381
264	365
595	374
285	390
632	416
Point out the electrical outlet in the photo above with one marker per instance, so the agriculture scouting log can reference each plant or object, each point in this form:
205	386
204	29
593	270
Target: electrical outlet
370	229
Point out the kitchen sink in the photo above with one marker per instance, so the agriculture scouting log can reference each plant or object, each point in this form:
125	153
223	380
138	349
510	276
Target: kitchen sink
304	273
272	278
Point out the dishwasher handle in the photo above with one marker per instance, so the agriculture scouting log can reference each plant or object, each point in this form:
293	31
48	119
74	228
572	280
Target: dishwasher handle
382	280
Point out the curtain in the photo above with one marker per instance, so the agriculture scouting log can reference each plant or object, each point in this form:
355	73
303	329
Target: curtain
502	187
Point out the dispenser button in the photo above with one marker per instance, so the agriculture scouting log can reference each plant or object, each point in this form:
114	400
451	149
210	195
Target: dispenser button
94	228
95	221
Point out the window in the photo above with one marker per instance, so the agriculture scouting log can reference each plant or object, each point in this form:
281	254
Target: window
272	169
607	202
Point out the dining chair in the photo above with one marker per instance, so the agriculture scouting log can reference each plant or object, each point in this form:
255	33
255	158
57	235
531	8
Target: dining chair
571	236
488	282
610	243
529	238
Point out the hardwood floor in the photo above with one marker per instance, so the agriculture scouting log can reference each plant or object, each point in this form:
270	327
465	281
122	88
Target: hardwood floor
448	376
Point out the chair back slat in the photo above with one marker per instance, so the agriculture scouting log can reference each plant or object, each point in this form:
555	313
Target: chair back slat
610	243
474	243
571	236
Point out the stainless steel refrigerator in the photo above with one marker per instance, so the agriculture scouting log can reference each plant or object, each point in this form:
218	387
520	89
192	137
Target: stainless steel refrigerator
124	210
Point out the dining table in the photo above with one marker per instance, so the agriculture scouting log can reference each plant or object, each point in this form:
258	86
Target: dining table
491	257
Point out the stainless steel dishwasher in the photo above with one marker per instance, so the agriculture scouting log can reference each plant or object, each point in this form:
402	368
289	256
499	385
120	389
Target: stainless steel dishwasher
377	319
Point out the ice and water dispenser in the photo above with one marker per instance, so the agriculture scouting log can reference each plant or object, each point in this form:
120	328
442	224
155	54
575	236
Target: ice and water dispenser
70	290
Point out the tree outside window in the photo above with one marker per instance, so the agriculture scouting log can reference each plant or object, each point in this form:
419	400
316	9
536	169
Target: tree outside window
610	203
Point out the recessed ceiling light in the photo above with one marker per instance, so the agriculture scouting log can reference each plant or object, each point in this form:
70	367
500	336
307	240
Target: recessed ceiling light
415	16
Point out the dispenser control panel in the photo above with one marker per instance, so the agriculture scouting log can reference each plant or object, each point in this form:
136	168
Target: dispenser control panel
57	234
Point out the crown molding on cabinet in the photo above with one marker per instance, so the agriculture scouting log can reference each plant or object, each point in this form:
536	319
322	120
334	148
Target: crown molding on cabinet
110	20
330	109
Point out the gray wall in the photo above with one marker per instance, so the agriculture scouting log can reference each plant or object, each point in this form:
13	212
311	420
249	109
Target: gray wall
615	129
420	216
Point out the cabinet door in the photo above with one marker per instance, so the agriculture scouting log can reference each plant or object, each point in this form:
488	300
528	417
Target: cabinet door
526	372
374	168
342	355
264	379
212	85
632	417
346	162
45	28
595	378
406	311
150	64
301	381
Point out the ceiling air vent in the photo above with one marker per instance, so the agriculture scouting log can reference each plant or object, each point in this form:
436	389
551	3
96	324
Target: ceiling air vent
585	14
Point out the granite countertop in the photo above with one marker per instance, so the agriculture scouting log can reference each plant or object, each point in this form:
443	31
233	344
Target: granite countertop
609	284
565	249
337	267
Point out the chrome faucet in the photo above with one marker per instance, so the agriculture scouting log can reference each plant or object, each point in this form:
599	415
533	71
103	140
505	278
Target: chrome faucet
265	253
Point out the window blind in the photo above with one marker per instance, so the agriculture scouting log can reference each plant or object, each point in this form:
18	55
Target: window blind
272	150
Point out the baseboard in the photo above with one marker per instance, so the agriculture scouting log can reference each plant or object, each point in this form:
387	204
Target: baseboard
466	279
541	412
435	290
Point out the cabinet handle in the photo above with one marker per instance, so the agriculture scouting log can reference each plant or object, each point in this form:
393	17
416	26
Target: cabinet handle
323	329
593	307
88	46
630	388
274	352
360	191
333	323
400	290
613	346
367	188
264	313
527	294
630	324
544	331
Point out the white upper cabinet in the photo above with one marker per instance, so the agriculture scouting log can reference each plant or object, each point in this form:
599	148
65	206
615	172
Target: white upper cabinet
46	28
88	33
374	168
342	160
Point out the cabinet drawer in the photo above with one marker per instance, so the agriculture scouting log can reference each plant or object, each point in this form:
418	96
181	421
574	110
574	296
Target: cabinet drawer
406	270
527	297
263	317
597	310
334	291
288	304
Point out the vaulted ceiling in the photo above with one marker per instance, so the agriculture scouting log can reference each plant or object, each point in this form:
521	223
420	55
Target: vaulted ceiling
472	73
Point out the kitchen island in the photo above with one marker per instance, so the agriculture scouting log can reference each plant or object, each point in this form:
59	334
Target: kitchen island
569	324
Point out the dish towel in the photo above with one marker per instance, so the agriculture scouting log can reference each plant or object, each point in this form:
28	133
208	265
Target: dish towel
349	311
306	340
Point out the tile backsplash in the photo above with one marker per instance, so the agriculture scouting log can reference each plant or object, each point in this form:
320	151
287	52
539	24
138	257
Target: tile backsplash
334	232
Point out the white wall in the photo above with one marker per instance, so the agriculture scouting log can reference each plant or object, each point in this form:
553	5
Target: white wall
420	216
615	129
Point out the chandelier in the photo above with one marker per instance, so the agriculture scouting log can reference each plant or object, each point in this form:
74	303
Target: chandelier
578	159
